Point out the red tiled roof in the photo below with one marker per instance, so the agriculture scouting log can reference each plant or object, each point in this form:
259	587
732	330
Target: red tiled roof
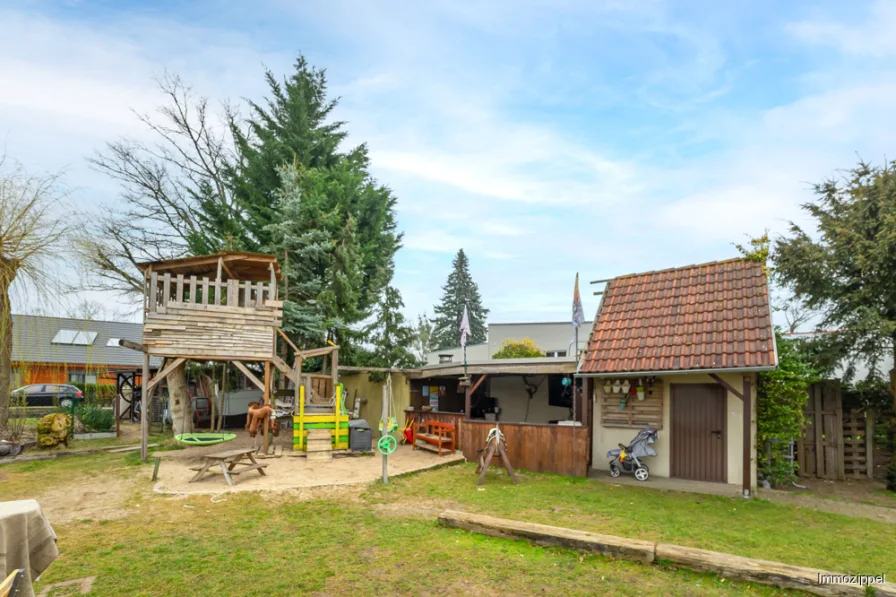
708	316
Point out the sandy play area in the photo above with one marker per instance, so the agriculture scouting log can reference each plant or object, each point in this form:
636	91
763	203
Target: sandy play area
288	471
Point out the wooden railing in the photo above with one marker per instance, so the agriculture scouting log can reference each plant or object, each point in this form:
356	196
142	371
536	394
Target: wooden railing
540	448
164	288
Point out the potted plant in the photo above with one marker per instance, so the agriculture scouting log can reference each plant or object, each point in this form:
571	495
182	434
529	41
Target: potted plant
608	387
626	386
616	386
639	390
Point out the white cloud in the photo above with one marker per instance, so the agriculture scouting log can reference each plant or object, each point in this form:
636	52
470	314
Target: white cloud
873	37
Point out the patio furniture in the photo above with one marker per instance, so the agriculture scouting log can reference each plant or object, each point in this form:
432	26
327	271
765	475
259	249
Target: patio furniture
229	461
434	433
27	542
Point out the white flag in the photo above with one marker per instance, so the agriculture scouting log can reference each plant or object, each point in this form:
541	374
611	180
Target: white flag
464	328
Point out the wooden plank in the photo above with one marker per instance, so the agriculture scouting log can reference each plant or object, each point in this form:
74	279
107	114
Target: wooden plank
838	430
217	287
166	289
288	341
618	547
285	369
164	373
153	291
819	437
869	446
204	291
765	572
192	289
233	290
179	289
247	294
251	376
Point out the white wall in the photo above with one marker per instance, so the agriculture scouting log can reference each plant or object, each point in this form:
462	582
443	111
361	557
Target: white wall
608	438
549	337
512	398
475	353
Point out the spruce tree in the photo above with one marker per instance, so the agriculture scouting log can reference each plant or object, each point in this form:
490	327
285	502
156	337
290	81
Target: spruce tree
390	334
459	290
294	127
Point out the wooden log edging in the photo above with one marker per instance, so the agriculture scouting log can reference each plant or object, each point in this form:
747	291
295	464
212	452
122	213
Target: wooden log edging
726	565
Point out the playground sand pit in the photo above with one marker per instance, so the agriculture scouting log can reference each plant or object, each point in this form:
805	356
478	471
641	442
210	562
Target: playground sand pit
289	471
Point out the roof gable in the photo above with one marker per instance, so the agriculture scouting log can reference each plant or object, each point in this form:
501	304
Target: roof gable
708	316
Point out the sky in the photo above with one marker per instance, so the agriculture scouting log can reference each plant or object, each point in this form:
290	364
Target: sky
602	137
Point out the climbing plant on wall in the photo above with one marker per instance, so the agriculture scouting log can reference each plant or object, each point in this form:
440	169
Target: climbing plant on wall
781	398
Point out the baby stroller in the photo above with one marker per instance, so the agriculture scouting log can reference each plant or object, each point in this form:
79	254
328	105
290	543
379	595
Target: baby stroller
628	458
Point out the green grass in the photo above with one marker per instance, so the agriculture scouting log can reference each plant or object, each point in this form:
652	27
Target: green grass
250	546
384	540
753	528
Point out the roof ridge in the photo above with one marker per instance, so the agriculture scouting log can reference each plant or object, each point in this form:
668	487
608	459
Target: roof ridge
80	319
679	268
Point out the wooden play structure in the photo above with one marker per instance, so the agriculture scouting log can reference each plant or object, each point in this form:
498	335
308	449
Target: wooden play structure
320	429
222	307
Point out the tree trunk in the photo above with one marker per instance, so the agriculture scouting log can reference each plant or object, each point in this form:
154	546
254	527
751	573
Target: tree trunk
179	401
5	350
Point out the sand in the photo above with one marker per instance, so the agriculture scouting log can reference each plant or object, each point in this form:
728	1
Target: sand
289	471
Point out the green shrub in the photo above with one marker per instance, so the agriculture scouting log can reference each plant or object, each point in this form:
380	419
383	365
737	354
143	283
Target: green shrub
95	393
518	349
95	418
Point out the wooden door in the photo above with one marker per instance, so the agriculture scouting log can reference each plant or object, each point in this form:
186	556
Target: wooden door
698	436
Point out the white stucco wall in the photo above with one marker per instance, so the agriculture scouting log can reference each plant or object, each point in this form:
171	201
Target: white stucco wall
607	438
512	397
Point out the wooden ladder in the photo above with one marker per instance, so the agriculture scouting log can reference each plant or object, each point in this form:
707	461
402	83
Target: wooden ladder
319	445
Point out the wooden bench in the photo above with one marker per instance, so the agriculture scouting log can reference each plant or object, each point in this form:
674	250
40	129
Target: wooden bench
229	461
434	433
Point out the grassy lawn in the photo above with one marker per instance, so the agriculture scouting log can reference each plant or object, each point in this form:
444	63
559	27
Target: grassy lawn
382	540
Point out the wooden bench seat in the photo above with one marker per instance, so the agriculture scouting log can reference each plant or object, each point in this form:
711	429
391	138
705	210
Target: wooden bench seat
439	435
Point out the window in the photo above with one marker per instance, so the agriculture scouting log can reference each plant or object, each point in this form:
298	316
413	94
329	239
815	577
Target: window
113	342
555	353
81	377
74	337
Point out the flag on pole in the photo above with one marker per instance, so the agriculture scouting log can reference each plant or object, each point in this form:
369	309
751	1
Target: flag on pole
464	328
578	314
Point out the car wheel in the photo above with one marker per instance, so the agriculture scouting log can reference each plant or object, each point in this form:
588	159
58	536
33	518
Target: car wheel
65	403
614	471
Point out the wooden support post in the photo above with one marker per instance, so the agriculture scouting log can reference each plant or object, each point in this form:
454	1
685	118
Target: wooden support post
748	440
468	394
302	442
267	402
384	419
869	444
144	419
334	365
820	471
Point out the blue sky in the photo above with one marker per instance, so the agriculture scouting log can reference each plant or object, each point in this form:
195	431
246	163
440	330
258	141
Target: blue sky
545	138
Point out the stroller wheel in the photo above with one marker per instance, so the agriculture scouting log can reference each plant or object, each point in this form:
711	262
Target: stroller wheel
641	473
614	471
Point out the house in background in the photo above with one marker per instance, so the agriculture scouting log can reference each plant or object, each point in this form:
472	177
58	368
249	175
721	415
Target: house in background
694	338
555	338
61	350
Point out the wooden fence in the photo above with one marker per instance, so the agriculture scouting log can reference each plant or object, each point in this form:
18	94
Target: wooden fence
834	446
540	448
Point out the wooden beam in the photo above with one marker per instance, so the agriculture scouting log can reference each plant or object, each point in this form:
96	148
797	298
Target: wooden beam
226	269
748	432
288	341
726	385
281	365
478	383
267	402
132	345
144	407
334	365
164	373
316	352
249	374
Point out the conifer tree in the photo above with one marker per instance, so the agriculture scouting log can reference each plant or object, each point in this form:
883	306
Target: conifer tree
459	290
391	336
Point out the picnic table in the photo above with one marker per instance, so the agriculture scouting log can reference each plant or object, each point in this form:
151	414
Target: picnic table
229	460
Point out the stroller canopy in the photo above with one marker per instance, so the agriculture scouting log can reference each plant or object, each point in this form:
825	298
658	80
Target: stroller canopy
640	446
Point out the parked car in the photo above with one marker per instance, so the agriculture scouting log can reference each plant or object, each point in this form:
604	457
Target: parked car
202	412
50	394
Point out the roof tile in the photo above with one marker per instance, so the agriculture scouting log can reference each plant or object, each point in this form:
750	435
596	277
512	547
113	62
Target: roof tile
713	315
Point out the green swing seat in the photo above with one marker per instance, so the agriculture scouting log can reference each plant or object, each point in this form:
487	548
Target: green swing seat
203	439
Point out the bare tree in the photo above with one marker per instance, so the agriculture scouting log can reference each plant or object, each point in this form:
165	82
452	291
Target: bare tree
32	229
163	185
88	310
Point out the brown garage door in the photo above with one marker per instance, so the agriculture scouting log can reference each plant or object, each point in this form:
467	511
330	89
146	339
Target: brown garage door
698	437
